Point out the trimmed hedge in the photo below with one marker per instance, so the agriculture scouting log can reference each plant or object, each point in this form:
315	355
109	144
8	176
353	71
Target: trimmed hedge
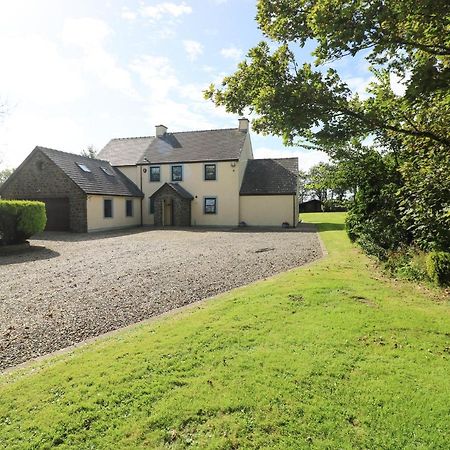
438	267
20	219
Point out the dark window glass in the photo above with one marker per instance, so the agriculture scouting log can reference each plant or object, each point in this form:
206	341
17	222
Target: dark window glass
210	171
107	208
152	206
129	208
177	173
210	205
155	173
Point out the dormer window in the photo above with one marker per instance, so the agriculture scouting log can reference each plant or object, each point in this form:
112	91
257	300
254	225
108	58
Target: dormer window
107	171
83	167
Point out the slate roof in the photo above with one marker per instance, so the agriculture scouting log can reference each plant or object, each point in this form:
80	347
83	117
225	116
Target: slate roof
125	152
186	146
178	189
270	177
96	181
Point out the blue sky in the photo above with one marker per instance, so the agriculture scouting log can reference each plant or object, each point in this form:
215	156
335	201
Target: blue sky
76	73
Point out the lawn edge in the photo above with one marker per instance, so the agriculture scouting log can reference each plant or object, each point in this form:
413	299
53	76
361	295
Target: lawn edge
27	367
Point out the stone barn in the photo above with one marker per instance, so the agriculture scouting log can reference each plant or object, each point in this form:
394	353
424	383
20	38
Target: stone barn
80	194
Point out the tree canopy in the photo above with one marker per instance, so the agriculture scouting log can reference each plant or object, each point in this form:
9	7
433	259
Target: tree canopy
402	179
89	152
304	105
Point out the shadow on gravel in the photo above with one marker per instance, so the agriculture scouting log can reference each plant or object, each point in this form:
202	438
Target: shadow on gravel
80	237
64	236
33	253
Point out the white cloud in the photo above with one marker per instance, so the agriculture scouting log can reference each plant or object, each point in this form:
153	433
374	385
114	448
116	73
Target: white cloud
156	12
306	158
23	130
127	14
193	49
89	35
85	32
359	84
37	72
157	74
47	80
178	105
231	53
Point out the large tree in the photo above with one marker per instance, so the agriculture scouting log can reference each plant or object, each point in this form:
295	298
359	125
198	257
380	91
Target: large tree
308	104
311	105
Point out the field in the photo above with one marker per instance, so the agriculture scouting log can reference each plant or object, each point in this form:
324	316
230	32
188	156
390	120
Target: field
330	355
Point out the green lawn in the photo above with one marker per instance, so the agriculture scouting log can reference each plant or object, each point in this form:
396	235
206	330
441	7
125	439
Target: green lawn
332	355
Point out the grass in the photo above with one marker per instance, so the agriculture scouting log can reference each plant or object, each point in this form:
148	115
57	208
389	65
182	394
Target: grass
331	355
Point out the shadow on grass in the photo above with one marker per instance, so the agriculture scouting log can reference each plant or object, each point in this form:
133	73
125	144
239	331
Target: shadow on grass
32	253
324	226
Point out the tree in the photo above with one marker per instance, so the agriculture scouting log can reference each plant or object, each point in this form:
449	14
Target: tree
319	180
5	174
89	152
311	106
303	190
304	105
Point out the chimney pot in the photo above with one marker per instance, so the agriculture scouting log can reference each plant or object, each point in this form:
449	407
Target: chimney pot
160	130
243	124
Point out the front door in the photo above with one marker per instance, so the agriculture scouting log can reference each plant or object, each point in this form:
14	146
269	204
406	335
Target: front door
167	208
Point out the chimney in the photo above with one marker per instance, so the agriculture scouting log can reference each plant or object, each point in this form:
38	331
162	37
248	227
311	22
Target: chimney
160	130
243	124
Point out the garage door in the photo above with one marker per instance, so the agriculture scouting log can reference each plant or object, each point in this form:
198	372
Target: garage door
58	214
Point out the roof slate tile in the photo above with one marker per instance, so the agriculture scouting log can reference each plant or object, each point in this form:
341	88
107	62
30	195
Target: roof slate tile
97	181
270	177
186	146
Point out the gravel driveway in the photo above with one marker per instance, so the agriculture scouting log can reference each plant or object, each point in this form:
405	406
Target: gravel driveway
69	287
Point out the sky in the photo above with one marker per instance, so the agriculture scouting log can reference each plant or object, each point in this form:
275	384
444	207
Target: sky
79	73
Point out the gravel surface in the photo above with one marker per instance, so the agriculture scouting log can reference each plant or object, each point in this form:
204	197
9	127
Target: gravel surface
69	287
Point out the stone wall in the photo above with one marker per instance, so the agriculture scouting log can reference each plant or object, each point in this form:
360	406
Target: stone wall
40	178
181	207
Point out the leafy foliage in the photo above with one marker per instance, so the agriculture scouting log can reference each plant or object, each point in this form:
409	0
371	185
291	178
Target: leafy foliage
20	219
323	181
89	152
402	183
438	267
5	174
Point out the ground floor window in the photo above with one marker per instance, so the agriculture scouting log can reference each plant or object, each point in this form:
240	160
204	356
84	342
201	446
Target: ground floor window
210	205
107	207
152	206
129	208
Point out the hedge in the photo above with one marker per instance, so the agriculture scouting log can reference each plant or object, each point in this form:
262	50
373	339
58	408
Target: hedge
20	219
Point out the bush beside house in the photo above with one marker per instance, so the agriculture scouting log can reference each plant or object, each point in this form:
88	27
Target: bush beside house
20	219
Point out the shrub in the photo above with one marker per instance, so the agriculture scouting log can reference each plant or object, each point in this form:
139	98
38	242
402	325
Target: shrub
438	267
409	263
20	219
